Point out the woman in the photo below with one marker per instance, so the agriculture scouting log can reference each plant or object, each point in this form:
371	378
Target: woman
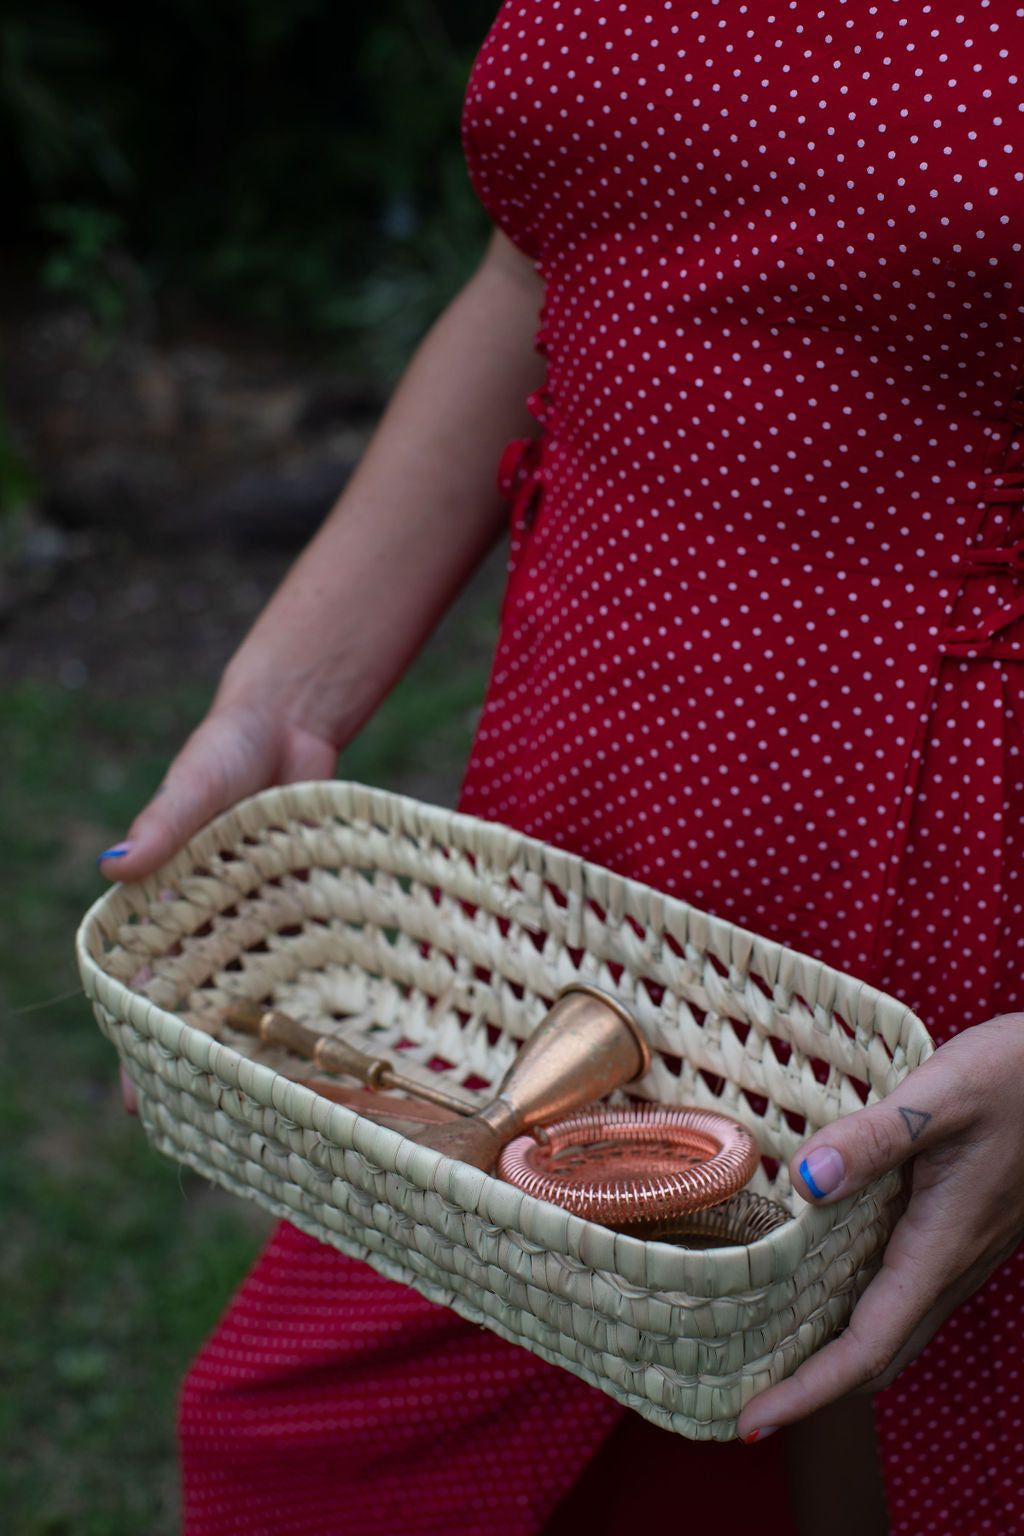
760	648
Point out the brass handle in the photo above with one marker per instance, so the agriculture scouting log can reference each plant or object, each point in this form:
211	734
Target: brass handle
274	1027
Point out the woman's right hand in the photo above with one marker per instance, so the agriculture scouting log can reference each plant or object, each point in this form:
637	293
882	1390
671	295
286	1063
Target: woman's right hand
235	751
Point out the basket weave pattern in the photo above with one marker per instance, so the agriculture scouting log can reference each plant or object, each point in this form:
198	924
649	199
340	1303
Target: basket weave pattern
441	940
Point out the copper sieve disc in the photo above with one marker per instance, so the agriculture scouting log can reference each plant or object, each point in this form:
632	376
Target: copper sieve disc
743	1218
624	1166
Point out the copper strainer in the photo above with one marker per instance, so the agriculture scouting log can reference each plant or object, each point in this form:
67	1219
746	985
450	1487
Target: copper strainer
633	1168
743	1218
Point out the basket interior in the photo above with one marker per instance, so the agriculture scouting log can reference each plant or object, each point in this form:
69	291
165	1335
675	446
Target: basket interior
441	942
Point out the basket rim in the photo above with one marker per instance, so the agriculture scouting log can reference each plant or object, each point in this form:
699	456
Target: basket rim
651	1265
291	800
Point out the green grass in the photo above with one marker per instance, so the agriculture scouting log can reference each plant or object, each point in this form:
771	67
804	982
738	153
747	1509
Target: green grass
115	1263
112	1267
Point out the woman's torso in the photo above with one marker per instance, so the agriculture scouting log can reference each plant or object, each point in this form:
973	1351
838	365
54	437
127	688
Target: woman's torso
784	325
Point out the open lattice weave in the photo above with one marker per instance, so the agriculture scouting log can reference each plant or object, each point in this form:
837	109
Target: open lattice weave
442	940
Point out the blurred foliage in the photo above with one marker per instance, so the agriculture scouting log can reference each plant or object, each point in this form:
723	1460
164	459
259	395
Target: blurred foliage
17	487
16	480
296	162
115	1261
83	263
113	1266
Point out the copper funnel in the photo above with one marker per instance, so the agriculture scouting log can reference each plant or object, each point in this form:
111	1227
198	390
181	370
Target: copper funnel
584	1047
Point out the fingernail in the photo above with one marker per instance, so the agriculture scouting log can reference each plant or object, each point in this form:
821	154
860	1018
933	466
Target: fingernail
760	1434
117	852
822	1170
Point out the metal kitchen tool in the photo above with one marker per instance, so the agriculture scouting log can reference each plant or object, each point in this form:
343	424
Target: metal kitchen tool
408	1116
743	1218
584	1047
330	1053
634	1168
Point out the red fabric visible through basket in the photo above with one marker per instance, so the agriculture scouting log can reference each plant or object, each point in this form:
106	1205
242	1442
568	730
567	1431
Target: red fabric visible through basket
332	1402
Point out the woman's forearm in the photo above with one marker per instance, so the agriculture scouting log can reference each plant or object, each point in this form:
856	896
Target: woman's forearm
415	519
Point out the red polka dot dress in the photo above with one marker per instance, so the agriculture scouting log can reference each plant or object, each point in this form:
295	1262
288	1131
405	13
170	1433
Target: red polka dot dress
761	647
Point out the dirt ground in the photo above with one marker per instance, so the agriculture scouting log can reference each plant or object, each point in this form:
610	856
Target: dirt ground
175	480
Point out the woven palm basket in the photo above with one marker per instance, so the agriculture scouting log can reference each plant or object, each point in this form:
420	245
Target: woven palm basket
441	940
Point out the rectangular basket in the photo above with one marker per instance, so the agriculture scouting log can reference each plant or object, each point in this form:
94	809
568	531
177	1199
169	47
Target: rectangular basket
442	940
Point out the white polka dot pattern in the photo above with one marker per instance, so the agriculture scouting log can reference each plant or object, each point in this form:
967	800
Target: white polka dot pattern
763	637
330	1400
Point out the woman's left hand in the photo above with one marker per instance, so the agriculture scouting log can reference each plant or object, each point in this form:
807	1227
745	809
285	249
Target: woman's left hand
960	1117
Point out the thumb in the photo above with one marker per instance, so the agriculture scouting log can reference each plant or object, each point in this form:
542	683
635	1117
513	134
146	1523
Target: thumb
225	758
853	1151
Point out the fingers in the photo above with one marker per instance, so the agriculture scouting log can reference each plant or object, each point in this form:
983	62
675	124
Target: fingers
216	766
928	1325
129	1098
897	1316
876	1342
931	1104
958	1117
229	756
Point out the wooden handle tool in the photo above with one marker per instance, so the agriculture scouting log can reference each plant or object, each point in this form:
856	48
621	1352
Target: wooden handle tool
274	1027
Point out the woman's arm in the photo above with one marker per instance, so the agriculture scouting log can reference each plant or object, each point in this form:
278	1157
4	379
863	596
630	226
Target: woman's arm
413	522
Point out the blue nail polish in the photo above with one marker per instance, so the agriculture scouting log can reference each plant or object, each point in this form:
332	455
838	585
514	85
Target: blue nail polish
805	1174
823	1171
117	852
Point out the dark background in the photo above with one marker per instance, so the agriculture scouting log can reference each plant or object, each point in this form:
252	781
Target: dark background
225	226
263	157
